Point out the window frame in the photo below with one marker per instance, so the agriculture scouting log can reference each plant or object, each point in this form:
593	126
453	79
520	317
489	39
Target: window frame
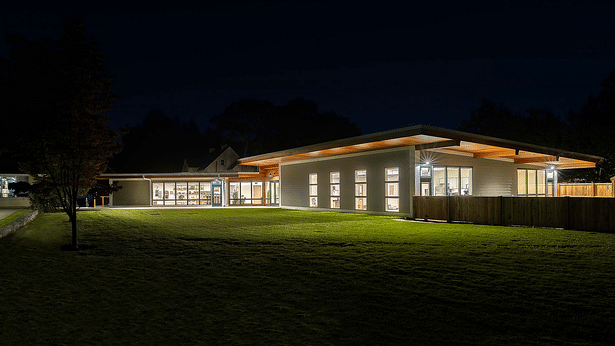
391	181
444	180
360	190
245	191
313	190
335	190
543	182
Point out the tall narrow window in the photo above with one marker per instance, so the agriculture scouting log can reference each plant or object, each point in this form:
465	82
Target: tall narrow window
158	194
439	181
169	193
205	193
531	182
334	182
391	187
313	189
193	193
522	182
541	181
360	189
466	181
181	193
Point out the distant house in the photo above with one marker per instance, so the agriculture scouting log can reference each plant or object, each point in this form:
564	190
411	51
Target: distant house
377	173
9	173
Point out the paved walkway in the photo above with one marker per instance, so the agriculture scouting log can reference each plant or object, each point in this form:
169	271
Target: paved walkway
6	212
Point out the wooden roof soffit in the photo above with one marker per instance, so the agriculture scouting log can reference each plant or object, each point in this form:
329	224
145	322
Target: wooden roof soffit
438	145
499	152
536	159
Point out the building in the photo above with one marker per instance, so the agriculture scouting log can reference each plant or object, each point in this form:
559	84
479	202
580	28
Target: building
377	173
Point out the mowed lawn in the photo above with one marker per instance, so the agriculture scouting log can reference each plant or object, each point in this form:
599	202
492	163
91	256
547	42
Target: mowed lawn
282	277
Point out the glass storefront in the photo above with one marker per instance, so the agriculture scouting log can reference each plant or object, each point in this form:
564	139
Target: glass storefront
181	193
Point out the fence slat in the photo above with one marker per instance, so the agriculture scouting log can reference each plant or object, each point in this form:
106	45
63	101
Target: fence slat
591	213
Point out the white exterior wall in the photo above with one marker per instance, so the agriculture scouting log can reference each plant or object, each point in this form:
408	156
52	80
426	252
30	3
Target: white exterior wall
294	180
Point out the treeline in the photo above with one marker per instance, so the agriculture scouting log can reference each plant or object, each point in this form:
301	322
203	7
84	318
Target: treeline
250	127
590	130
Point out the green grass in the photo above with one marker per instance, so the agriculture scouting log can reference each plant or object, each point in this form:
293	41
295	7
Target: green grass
278	277
14	216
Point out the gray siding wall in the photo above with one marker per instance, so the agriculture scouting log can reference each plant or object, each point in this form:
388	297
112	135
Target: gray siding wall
489	177
294	180
133	192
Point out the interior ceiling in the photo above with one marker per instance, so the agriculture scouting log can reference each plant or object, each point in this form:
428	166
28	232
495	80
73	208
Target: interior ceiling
433	143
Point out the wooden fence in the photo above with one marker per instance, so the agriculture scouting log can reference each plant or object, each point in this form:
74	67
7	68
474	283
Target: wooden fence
589	214
586	190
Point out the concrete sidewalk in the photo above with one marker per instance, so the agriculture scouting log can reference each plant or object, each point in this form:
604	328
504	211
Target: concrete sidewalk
6	212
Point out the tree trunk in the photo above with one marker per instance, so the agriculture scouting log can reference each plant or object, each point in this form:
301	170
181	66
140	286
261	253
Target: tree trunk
73	222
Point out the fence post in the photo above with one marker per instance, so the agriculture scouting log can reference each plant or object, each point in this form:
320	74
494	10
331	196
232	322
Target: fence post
448	208
501	211
567	218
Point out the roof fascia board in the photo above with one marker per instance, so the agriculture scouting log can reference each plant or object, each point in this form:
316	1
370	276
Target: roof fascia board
374	137
425	130
436	145
344	156
506	143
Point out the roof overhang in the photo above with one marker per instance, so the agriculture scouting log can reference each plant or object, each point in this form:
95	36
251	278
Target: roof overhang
436	139
175	176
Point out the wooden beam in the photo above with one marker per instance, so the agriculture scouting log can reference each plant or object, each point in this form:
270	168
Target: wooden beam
440	144
582	164
494	153
536	158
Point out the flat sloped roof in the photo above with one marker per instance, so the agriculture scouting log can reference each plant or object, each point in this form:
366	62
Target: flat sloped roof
427	137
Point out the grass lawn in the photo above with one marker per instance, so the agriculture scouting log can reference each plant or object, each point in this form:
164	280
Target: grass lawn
276	277
12	217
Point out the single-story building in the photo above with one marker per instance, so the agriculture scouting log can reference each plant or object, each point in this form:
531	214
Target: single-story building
377	173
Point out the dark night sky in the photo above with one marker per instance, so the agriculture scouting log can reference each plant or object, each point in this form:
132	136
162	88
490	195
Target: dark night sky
381	65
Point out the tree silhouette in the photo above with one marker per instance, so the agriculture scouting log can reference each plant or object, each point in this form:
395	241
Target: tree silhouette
160	144
58	93
593	127
254	127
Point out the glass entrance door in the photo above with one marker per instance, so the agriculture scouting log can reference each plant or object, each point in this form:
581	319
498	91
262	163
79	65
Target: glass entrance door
275	193
216	188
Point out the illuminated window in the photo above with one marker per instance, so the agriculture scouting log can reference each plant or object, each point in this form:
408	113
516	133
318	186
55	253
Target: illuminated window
246	192
181	193
391	188
466	181
360	189
205	193
313	189
448	181
532	182
334	188
5	181
193	193
169	193
158	194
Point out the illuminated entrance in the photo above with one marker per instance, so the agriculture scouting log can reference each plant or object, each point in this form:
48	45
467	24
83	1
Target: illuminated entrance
273	193
216	187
